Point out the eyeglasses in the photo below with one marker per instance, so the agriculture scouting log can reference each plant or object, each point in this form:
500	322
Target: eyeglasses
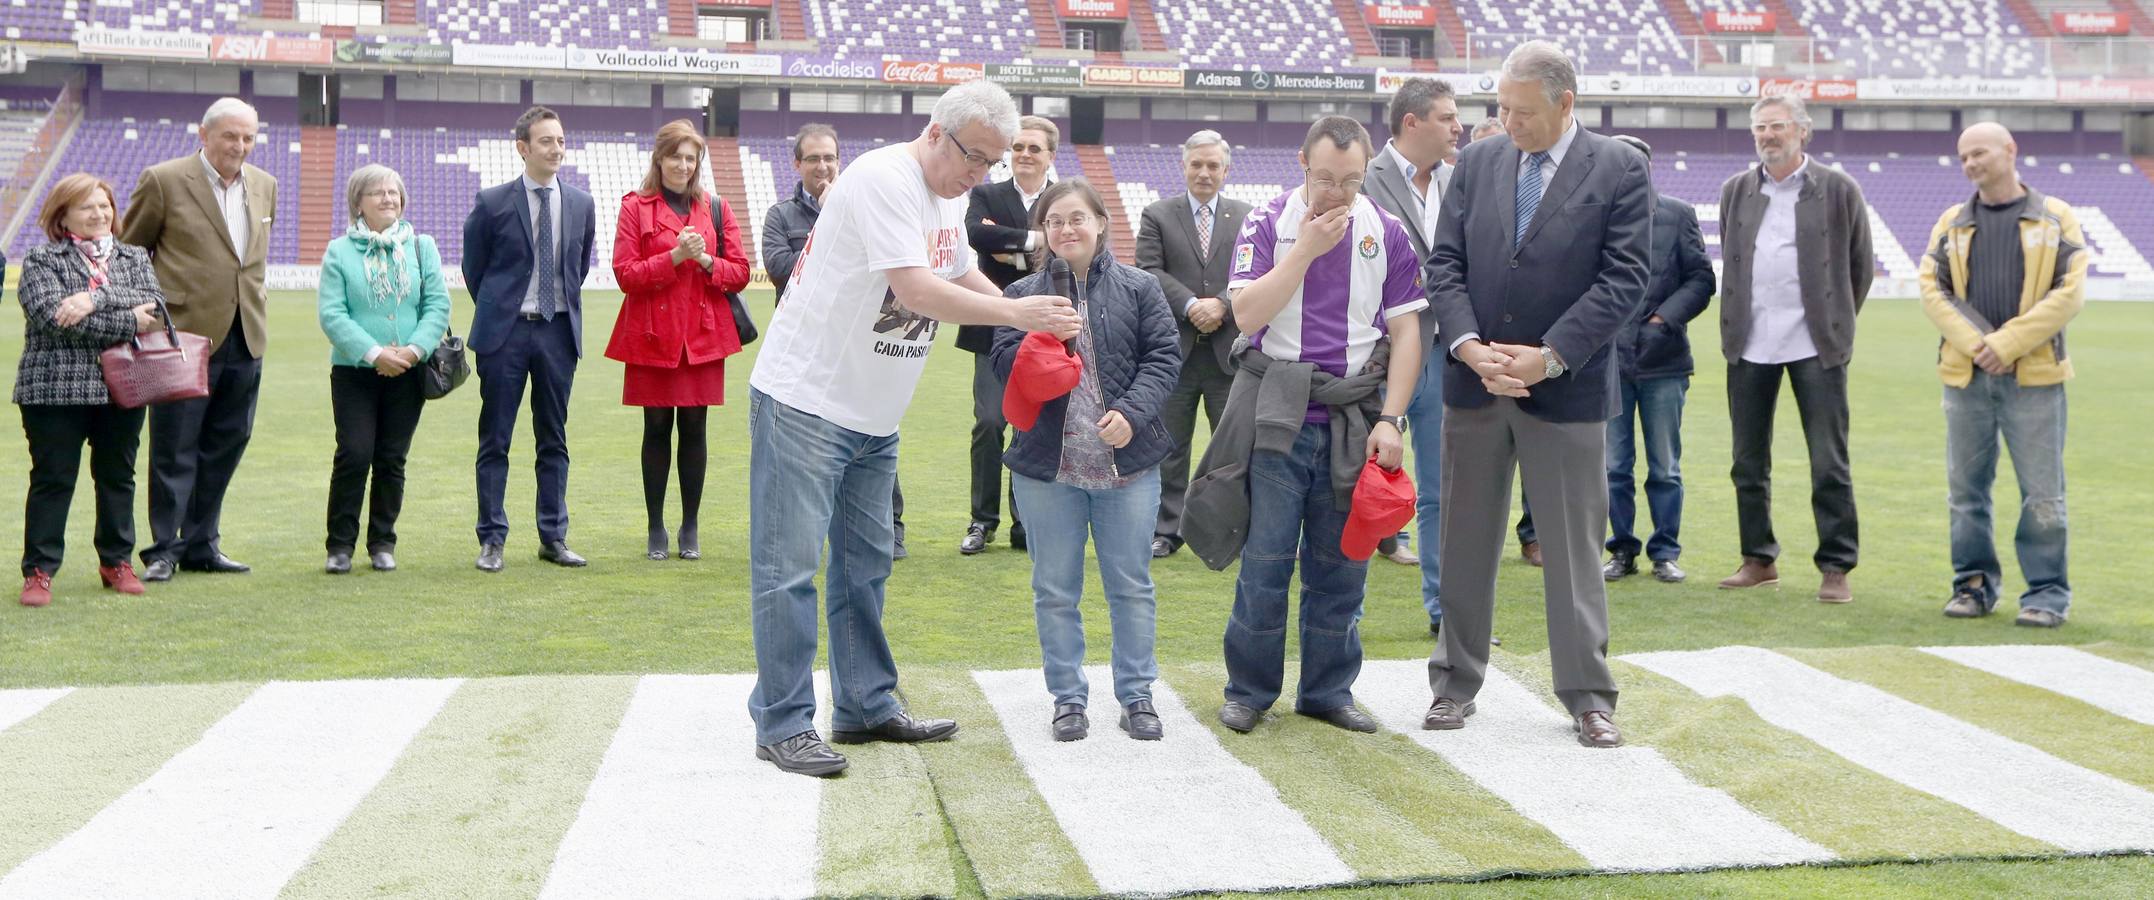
1076	220
1327	185
383	194
971	159
822	159
1034	149
1779	126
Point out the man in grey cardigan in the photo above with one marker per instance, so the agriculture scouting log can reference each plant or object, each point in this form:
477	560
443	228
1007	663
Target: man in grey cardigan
1795	243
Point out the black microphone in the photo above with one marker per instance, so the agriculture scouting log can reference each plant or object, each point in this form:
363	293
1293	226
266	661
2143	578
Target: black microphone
1064	280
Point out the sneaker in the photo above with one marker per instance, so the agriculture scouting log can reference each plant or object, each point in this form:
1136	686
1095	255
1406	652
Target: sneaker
36	588
1965	604
2038	618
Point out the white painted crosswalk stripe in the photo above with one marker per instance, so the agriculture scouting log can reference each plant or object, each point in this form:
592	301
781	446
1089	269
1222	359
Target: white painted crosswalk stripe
2013	784
1627	808
237	813
17	705
2125	690
682	808
1181	814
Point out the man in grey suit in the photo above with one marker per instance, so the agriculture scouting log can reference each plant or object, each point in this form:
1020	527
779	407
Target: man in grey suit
1188	243
1408	180
1540	257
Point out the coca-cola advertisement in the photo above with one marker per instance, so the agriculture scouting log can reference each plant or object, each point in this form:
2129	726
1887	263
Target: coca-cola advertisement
909	72
1814	90
1746	22
2097	24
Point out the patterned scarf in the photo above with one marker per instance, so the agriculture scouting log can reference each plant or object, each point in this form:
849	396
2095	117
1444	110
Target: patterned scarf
385	253
96	254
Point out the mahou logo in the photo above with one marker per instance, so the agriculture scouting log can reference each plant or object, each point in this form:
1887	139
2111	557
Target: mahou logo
1742	20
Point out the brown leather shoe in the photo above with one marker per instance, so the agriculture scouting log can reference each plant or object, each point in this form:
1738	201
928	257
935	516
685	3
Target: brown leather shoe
1597	729
1835	589
1752	574
1447	714
1530	551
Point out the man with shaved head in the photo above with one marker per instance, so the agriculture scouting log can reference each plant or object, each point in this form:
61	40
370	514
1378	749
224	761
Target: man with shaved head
2003	275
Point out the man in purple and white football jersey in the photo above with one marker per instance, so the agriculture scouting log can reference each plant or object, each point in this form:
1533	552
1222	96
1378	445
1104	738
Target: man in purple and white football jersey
1328	288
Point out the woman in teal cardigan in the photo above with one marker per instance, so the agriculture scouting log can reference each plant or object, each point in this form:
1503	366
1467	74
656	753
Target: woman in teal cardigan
385	307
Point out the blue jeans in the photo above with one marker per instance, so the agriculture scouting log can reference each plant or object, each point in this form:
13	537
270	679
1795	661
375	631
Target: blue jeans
1292	513
2031	420
1424	421
1657	405
1057	518
809	480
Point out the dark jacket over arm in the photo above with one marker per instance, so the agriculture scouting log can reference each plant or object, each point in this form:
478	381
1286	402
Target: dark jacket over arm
785	232
1681	286
1135	356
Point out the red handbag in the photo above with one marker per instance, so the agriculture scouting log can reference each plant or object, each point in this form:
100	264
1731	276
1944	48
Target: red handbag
158	367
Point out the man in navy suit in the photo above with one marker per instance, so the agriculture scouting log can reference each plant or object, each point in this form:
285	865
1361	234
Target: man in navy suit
527	244
1539	257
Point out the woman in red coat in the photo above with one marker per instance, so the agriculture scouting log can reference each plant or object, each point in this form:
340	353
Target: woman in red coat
676	325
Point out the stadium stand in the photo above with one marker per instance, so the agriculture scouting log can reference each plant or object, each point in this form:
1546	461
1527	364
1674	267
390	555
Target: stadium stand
545	23
1604	36
1300	35
934	30
1912	38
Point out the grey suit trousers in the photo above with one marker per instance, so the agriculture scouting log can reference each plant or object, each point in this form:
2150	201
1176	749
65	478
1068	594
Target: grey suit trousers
1567	483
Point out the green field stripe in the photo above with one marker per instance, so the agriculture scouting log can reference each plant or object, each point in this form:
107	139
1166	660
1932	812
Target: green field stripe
79	754
881	833
2071	730
1390	808
1002	824
479	802
1723	744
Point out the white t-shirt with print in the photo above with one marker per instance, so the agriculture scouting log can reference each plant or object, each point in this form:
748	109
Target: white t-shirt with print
840	346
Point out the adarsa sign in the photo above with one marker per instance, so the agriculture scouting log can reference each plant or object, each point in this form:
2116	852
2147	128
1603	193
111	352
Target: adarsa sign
906	72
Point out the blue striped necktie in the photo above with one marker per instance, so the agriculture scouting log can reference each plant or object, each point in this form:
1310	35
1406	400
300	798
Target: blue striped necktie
1529	194
549	270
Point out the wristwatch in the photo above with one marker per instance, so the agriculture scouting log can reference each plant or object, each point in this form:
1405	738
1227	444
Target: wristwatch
1398	422
1554	364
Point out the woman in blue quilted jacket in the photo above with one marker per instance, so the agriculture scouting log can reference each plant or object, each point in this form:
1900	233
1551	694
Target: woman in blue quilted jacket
1090	463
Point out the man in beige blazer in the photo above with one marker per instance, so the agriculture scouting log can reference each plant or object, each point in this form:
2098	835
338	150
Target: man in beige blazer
205	219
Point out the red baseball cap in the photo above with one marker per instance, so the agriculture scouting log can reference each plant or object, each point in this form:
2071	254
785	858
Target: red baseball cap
1383	503
1044	369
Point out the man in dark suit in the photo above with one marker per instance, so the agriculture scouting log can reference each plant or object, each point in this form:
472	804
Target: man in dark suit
1408	179
1187	243
527	245
1540	256
1654	362
998	224
205	218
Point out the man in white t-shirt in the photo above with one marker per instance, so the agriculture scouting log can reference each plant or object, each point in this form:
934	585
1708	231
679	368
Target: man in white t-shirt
886	264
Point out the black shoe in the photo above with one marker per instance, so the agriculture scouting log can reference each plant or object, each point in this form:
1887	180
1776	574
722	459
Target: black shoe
157	570
1348	717
901	729
1239	717
897	551
1017	538
1163	547
1140	722
339	563
557	552
1619	566
977	537
803	754
489	558
897	542
691	544
1446	714
383	561
217	563
1070	723
655	547
1667	571
1436	629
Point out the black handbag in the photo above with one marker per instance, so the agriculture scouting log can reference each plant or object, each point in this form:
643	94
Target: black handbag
447	368
743	323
